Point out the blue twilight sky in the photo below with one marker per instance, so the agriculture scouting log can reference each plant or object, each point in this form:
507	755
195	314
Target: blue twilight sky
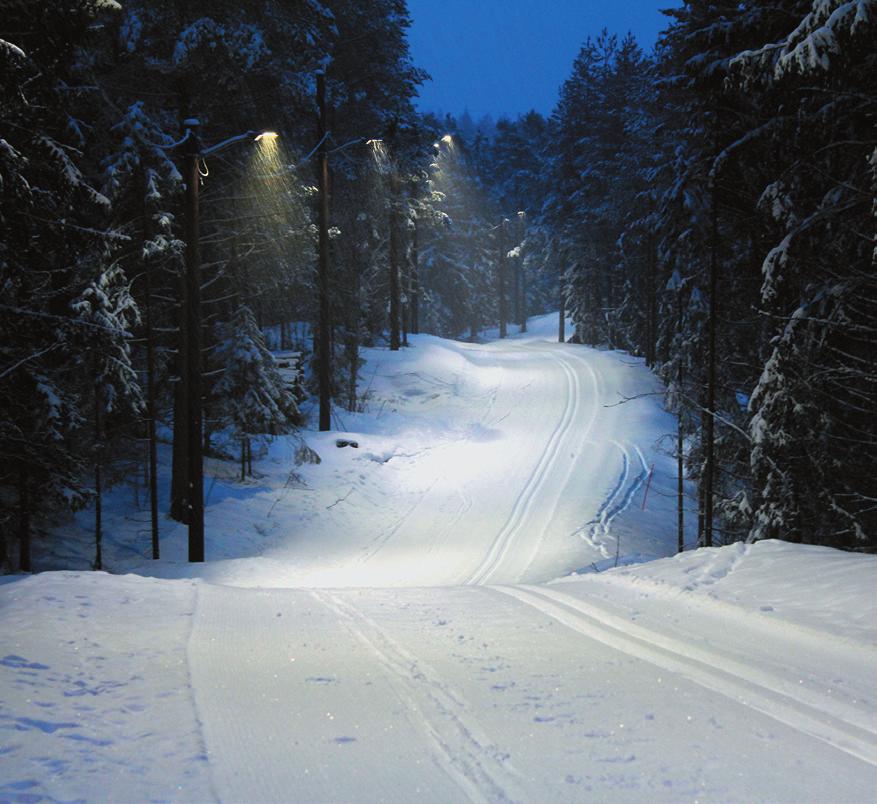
505	57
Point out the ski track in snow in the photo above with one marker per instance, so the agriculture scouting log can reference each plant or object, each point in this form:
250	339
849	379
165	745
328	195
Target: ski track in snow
460	746
741	683
472	693
466	502
386	535
505	538
599	533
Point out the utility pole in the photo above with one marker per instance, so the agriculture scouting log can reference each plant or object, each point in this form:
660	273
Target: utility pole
522	233
652	302
415	278
516	283
680	443
503	312
710	424
191	149
150	376
561	304
394	261
324	325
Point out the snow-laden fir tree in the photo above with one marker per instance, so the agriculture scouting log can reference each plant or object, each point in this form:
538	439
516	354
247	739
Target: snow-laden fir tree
55	243
813	423
107	313
252	398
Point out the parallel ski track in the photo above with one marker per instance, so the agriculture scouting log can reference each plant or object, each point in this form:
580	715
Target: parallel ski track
595	408
384	536
750	687
460	747
506	536
599	529
465	506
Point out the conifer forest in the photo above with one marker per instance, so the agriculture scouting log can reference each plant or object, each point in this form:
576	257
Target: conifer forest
280	348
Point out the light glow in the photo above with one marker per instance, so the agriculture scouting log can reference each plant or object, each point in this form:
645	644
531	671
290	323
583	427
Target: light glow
267	135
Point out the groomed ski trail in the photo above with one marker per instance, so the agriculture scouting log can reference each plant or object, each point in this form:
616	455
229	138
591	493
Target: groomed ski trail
744	685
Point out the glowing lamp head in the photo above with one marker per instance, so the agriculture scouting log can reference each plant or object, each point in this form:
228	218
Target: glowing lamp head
448	139
267	136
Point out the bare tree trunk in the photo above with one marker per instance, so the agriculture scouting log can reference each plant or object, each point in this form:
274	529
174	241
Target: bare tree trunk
394	263
503	309
609	315
523	316
98	500
405	282
415	279
243	459
680	488
323	351
561	318
680	461
249	457
516	288
24	559
652	308
180	461
709	429
351	340
150	385
352	349
4	552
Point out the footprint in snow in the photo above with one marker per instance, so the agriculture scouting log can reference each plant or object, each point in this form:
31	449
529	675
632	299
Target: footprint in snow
19	663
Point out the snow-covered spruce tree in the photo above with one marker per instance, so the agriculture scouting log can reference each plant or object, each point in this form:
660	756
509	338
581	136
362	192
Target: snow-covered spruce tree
632	125
250	394
583	153
705	232
107	313
145	186
517	182
813	424
235	68
55	243
464	246
370	85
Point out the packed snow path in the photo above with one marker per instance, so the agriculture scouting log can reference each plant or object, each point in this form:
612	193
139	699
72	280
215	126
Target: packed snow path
504	462
522	694
385	625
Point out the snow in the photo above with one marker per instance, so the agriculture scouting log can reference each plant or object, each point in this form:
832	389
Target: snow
398	622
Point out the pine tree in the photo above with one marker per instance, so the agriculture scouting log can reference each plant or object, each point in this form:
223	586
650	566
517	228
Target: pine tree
812	409
55	243
253	399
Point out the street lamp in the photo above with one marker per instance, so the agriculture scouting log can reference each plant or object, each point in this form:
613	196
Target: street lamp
503	309
522	297
192	152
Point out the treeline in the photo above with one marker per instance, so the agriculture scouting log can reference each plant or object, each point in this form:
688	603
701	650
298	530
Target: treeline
709	206
92	336
714	211
93	322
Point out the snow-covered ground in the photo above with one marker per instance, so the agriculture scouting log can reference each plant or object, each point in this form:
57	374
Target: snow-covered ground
399	622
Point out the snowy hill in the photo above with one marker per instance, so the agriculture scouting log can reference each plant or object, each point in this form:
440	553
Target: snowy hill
508	461
399	622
